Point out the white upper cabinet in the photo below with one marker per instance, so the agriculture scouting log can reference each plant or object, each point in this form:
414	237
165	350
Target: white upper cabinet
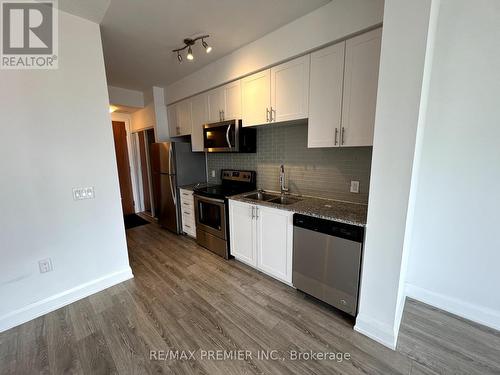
256	98
275	242
199	118
184	120
216	104
242	234
232	100
290	90
325	94
362	58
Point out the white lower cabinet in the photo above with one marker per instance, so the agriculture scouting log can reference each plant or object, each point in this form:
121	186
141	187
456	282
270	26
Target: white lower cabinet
243	232
262	237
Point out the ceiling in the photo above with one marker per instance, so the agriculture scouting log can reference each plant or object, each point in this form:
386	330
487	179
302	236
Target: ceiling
138	36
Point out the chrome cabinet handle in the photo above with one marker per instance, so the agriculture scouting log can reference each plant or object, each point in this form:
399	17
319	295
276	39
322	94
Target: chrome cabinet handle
253	214
256	213
342	132
227	136
267	114
336	136
273	118
223	115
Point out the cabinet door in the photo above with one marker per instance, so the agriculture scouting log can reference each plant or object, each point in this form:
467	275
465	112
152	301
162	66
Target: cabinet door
325	96
242	232
173	128
199	118
215	99
360	88
232	97
256	98
275	242
184	118
290	90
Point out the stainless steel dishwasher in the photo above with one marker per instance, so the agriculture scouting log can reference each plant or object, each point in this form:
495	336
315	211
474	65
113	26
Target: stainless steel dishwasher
327	260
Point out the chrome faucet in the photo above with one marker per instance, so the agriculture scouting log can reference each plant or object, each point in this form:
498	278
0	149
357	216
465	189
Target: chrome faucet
283	189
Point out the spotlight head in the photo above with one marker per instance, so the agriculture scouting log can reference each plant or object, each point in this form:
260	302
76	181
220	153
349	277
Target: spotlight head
208	48
189	55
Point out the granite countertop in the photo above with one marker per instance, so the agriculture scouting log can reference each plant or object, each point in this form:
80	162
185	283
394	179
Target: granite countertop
192	186
343	212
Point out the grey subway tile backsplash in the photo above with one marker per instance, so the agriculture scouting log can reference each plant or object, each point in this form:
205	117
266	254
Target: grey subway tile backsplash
321	172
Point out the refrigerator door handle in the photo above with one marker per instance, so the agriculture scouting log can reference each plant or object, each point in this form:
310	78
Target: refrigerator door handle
172	187
172	190
170	156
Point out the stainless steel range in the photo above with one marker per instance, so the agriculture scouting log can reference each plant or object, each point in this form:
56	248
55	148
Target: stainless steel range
211	209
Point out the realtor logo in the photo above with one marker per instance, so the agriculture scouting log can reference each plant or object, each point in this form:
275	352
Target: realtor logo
29	34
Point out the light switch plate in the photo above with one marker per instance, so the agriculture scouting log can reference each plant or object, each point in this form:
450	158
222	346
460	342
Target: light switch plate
83	193
355	187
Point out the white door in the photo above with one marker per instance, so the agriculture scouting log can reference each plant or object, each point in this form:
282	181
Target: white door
242	232
232	97
256	98
173	128
290	90
362	58
184	121
215	99
199	118
325	96
275	242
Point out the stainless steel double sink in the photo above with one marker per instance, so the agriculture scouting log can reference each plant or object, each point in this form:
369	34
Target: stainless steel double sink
262	196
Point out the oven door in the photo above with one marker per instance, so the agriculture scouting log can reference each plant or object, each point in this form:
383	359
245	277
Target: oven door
210	215
221	136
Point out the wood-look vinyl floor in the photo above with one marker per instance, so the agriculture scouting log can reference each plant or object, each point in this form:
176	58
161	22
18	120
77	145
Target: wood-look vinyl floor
185	298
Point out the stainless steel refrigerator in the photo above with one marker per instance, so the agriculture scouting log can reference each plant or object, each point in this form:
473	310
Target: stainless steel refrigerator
173	164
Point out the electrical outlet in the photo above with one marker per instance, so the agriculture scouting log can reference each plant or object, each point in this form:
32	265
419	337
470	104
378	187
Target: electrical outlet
83	193
45	265
355	187
213	172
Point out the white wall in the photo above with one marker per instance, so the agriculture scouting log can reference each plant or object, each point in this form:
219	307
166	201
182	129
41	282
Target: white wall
331	22
401	77
126	97
144	118
55	135
455	248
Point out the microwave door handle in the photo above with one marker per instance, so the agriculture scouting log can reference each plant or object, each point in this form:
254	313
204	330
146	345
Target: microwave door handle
227	135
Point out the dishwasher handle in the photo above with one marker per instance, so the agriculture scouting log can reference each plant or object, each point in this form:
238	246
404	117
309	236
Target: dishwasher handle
330	227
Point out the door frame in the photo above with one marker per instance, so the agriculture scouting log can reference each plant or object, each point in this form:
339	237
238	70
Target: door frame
138	170
126	118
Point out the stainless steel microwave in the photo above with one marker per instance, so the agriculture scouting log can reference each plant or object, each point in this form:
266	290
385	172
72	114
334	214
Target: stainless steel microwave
229	136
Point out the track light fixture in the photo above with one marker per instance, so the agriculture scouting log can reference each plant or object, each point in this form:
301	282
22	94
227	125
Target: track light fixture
188	43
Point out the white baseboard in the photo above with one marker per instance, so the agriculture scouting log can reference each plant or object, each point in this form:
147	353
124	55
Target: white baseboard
478	314
380	332
59	300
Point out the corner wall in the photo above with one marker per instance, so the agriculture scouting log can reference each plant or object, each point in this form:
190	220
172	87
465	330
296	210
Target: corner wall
56	135
401	79
455	247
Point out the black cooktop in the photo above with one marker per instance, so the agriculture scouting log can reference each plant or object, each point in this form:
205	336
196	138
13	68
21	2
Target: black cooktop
234	182
221	191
